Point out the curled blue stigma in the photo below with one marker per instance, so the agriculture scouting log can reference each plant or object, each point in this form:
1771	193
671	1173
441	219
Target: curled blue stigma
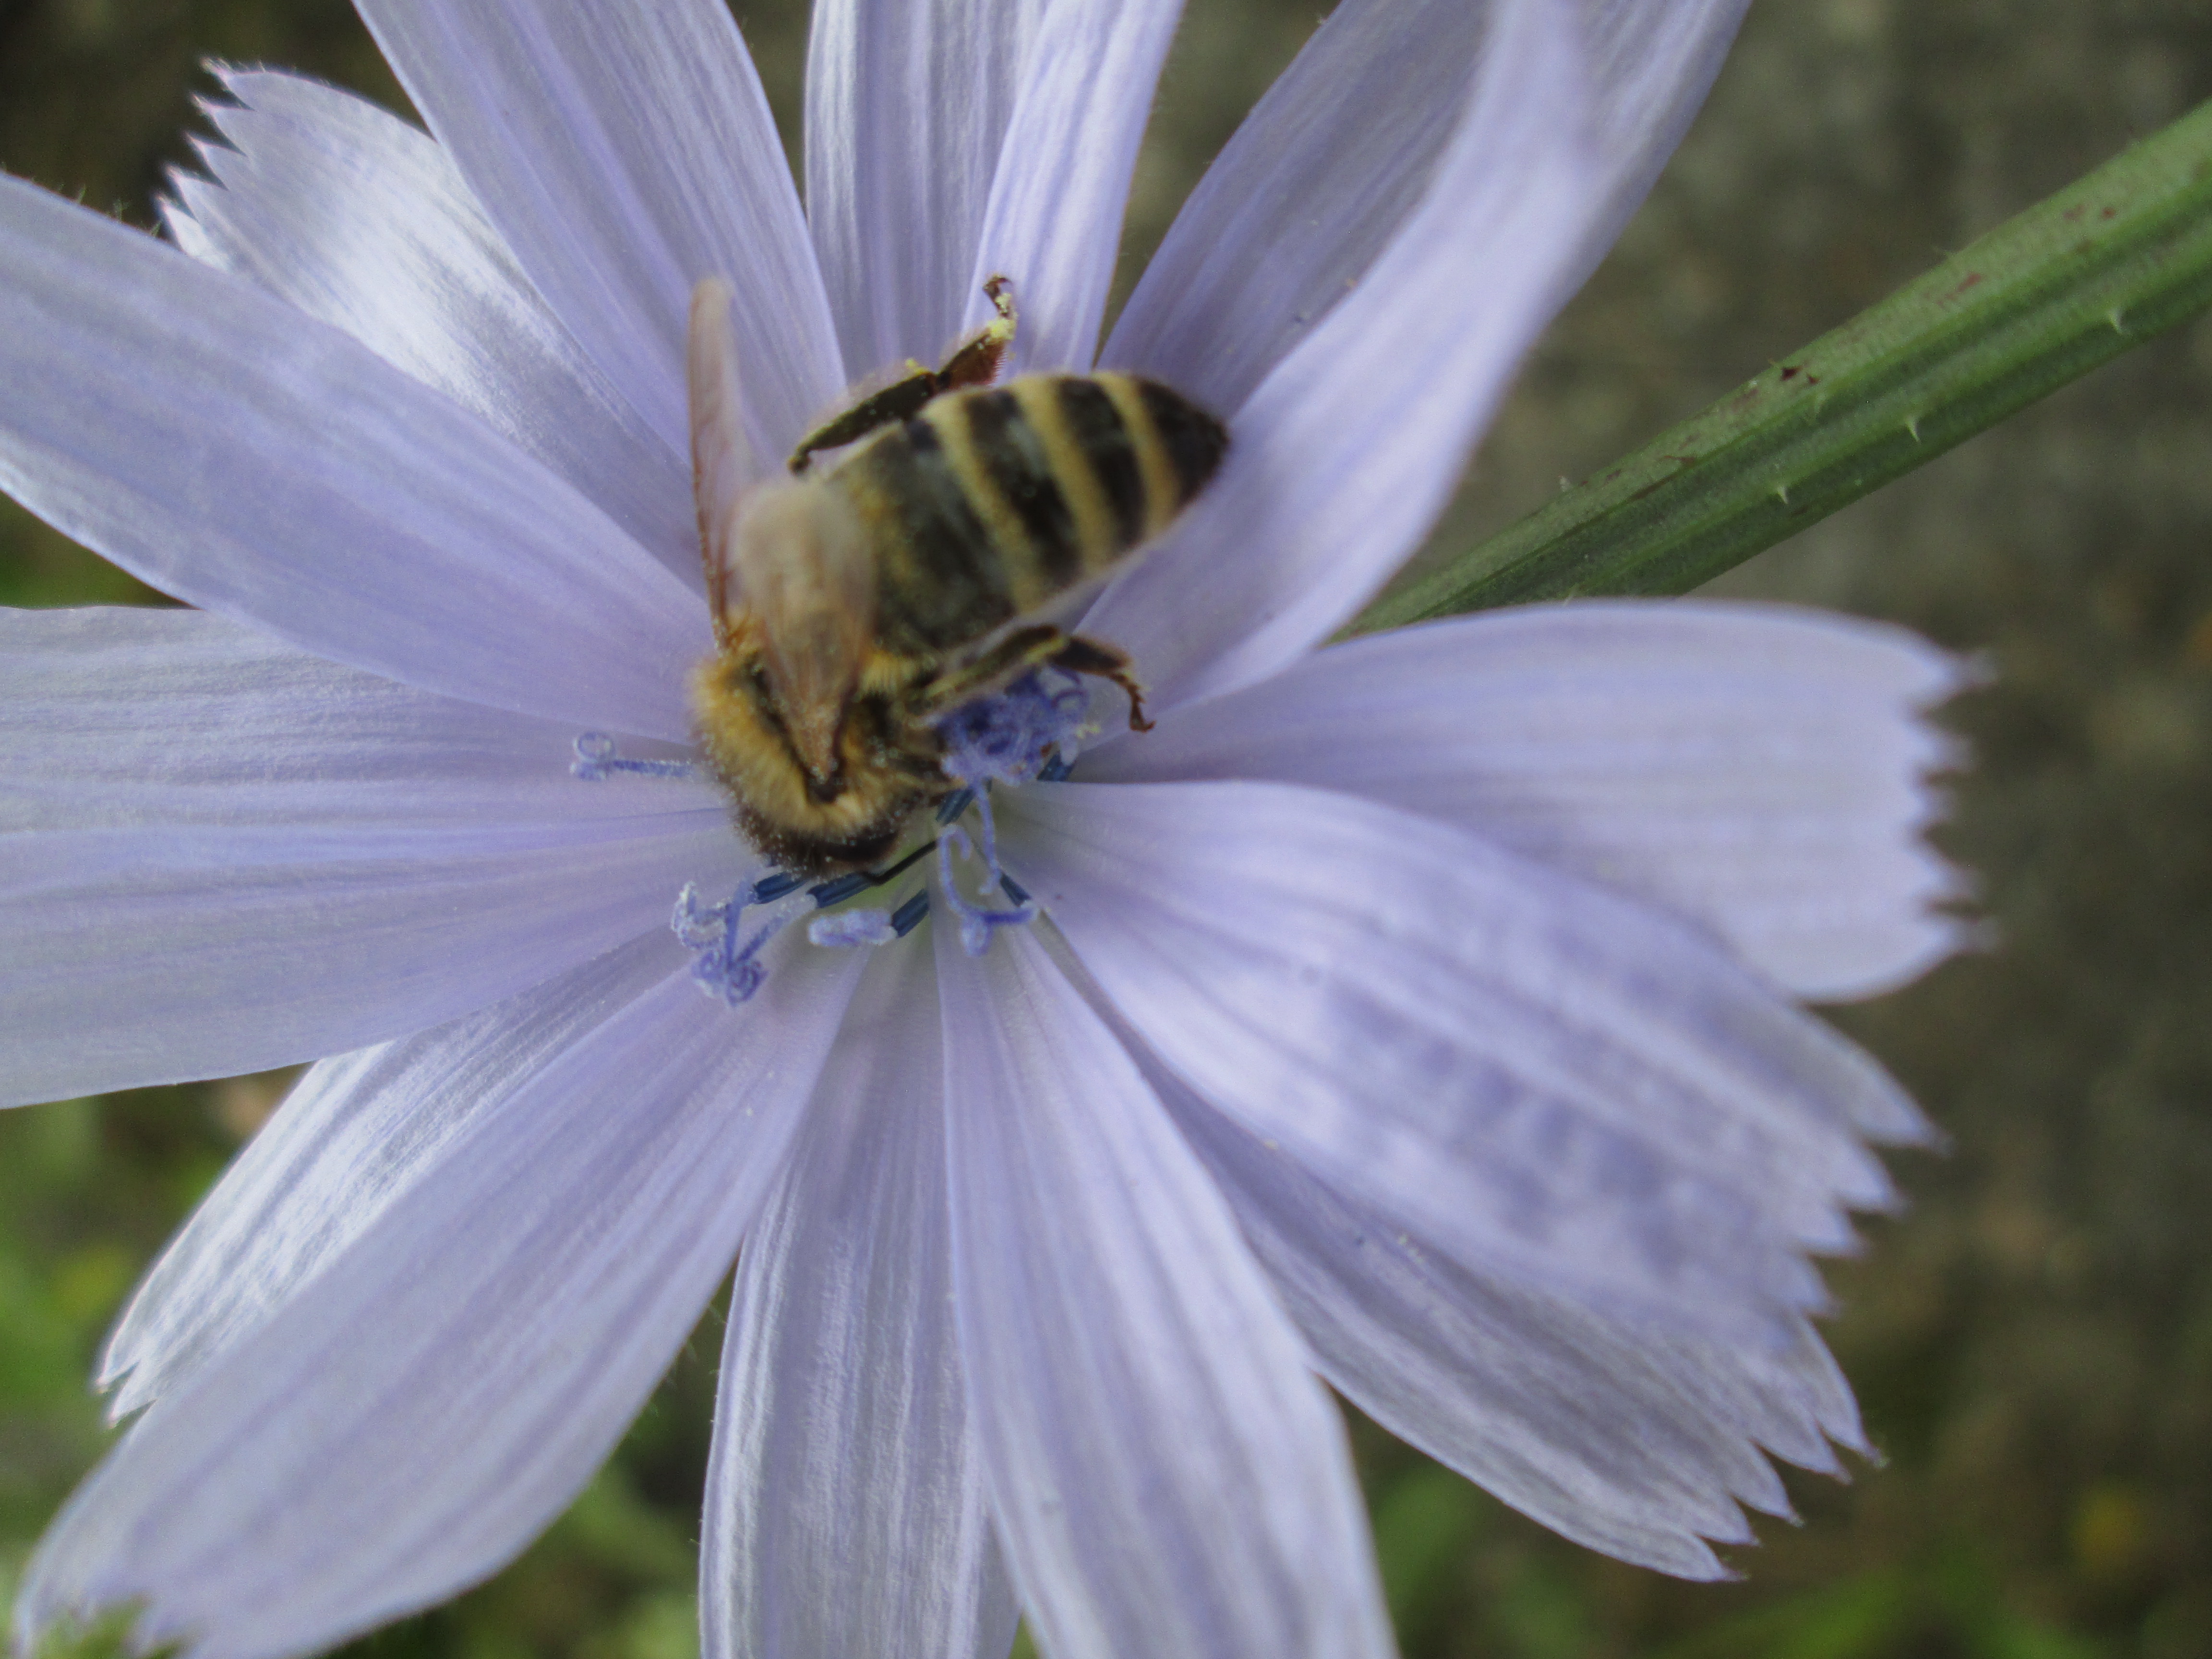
596	761
727	969
852	928
1009	738
723	967
977	921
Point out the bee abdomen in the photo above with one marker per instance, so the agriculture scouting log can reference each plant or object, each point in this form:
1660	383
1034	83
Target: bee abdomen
1110	459
995	499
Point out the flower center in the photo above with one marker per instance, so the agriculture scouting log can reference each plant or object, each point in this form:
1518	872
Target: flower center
1028	730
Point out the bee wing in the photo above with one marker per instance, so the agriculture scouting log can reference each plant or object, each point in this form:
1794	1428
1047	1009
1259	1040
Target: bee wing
806	580
722	463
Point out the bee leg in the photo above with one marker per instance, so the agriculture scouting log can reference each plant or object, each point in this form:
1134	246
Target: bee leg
901	400
1106	662
976	359
1037	646
1023	649
973	361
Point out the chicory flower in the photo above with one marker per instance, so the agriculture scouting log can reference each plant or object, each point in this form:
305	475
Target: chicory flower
1417	1014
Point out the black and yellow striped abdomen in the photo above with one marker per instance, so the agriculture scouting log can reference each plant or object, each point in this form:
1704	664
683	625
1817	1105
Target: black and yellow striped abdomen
992	502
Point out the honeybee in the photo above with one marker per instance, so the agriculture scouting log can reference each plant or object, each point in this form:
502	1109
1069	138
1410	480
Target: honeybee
930	565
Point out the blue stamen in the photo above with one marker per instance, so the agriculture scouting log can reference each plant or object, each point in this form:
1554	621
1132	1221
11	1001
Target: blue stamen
1028	730
871	926
770	888
596	761
850	927
838	889
978	923
1008	739
723	967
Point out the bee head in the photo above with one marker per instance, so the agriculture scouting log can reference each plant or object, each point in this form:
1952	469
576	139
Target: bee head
882	770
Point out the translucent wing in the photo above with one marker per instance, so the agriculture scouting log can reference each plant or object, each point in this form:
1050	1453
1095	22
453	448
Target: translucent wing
789	573
721	455
806	582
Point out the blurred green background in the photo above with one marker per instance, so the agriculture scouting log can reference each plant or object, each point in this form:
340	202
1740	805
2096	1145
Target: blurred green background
2032	1342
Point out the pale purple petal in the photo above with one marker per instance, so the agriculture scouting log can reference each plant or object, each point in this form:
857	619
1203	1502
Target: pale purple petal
846	1513
1343	457
222	854
1636	1442
463	1368
1307	193
1653	62
906	105
355	1135
124	718
355	217
1759	770
626	152
1168	1477
143	955
1054	218
265	466
1561	1084
1314	184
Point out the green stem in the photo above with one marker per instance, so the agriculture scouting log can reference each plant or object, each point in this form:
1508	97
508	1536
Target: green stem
2113	260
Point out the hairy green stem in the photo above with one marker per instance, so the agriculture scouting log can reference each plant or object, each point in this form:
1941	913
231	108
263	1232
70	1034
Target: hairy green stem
2106	264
